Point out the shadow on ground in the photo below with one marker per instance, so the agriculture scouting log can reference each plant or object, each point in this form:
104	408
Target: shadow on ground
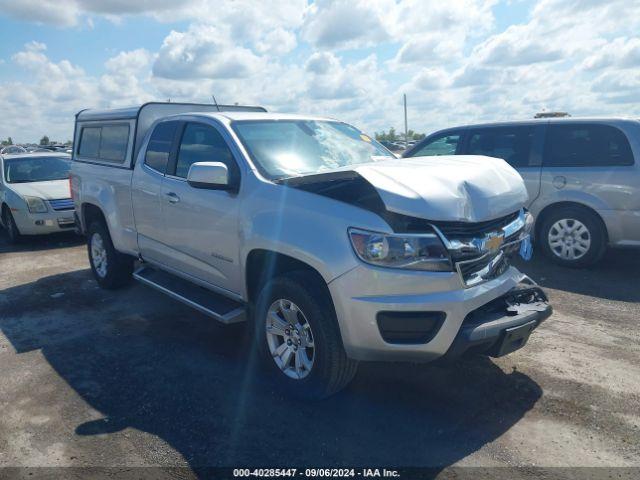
615	277
38	243
149	363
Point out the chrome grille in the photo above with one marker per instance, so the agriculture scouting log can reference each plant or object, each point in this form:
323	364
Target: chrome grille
473	256
61	204
455	230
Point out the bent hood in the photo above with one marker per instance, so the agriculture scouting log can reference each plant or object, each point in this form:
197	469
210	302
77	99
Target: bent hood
51	190
461	188
447	188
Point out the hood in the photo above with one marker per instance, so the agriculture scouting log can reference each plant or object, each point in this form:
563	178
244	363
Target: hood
466	188
461	188
51	190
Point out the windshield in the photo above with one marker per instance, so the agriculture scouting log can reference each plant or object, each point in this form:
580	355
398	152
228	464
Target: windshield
37	169
288	148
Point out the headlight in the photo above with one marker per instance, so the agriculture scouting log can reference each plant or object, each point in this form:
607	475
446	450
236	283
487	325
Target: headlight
36	205
413	252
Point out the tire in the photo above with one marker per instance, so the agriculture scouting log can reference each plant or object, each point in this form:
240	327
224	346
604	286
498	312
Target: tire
573	237
329	369
110	268
13	232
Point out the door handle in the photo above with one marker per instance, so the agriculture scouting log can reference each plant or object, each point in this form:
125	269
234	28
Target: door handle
172	197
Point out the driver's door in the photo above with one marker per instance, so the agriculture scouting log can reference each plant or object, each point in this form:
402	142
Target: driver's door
201	225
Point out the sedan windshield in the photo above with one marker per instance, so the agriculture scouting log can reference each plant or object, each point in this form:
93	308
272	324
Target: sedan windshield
289	148
37	169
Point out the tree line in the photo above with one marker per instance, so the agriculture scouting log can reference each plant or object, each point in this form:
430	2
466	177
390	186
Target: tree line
393	136
43	141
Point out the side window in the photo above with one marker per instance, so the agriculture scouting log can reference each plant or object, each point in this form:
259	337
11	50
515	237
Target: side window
89	142
107	143
159	148
586	145
443	145
203	143
511	144
113	143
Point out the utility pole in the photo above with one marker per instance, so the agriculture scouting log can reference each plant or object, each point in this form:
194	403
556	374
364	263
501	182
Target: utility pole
406	128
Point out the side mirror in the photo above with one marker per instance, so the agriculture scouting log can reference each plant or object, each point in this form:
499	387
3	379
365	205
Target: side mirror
211	175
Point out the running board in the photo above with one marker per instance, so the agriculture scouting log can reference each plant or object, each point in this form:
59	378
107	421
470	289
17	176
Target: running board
206	301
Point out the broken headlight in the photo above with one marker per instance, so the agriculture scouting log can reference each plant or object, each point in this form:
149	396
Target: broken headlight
423	251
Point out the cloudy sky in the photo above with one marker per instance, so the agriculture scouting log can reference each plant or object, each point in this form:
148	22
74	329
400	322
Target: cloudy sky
457	60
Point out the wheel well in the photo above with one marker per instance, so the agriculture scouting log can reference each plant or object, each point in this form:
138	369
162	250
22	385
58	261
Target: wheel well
263	265
91	213
549	209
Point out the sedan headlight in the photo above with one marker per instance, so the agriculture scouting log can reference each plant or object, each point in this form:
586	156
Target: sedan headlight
36	205
409	251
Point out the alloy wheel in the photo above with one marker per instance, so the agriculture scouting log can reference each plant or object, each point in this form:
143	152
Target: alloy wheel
99	255
290	339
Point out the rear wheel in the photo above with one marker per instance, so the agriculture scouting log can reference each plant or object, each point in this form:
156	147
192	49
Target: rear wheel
111	268
296	333
573	237
13	233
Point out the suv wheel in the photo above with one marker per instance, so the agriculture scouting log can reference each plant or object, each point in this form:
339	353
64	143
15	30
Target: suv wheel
13	233
297	335
573	237
111	269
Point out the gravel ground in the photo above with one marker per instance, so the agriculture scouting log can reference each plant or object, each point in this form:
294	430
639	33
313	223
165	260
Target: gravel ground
131	378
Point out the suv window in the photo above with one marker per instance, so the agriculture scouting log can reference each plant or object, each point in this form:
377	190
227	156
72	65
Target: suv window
446	144
586	145
203	143
159	148
512	144
107	142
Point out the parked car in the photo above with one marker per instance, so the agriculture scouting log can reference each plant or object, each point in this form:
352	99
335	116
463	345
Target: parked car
34	194
333	249
582	176
12	149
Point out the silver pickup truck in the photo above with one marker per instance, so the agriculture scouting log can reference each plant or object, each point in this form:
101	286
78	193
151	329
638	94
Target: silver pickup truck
332	249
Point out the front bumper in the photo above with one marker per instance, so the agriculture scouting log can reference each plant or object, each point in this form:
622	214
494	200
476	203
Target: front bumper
359	302
44	223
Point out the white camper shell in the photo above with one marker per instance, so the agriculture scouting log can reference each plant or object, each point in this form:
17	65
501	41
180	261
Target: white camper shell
113	137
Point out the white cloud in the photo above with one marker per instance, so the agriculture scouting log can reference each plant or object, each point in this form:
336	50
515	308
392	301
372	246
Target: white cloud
347	59
347	23
203	51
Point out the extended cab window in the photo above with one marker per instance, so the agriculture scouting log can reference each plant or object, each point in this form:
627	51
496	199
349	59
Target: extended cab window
159	148
203	143
442	145
586	145
108	143
512	144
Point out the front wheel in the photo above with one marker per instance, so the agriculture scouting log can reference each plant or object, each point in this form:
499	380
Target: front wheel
111	268
296	333
13	233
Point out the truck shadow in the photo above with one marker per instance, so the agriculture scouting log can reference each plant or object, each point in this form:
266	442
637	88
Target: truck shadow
613	278
148	363
43	242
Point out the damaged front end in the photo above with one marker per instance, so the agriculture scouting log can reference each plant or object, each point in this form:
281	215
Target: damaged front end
477	251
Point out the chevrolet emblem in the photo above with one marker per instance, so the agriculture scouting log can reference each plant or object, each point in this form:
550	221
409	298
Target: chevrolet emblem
493	241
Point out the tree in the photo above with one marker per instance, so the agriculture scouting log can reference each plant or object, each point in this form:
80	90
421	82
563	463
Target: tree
8	141
44	140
